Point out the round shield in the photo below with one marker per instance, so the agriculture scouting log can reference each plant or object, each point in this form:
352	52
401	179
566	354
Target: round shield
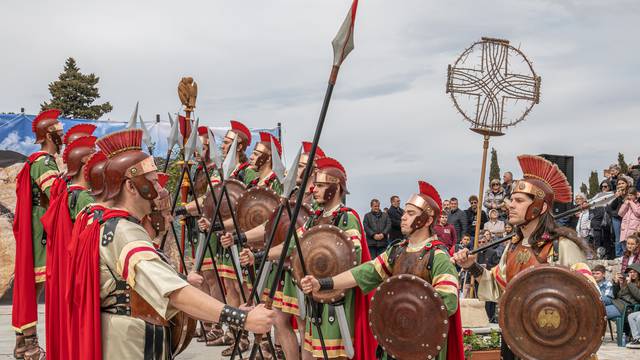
253	208
327	251
396	306
235	188
552	312
283	225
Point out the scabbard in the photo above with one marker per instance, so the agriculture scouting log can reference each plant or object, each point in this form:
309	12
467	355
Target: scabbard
263	277
344	331
235	257
301	303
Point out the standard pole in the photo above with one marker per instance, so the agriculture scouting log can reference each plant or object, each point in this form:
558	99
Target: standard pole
485	146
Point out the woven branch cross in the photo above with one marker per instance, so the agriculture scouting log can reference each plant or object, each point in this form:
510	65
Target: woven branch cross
492	84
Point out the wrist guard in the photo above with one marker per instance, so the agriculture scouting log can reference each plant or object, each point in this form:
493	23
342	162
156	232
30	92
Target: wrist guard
326	283
181	211
233	316
476	270
217	226
240	239
259	256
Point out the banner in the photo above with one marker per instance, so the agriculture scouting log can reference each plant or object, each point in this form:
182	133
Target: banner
16	134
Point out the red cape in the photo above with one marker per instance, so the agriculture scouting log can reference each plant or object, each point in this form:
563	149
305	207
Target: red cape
364	343
25	311
455	345
58	226
83	292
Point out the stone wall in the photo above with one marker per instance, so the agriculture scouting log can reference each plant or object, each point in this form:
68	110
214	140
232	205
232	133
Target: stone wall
7	241
613	266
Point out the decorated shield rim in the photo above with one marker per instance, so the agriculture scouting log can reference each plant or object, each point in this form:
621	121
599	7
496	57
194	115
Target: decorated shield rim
295	262
431	352
515	344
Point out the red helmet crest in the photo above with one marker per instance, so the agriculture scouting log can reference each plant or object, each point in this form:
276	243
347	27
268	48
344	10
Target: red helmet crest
430	191
239	127
267	138
77	132
306	148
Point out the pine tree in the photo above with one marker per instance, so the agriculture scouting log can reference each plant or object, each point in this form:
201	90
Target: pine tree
74	94
494	168
624	167
584	189
594	184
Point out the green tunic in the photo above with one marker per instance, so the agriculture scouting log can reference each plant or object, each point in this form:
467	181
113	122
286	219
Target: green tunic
83	199
444	276
43	173
347	221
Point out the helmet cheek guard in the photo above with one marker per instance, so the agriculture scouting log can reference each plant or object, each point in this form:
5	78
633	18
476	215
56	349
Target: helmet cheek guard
330	192
145	188
539	191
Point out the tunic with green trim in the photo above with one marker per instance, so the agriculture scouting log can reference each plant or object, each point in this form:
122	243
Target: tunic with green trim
345	219
442	275
43	173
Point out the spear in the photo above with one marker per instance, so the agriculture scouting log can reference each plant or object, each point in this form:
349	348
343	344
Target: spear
146	136
133	118
342	46
172	140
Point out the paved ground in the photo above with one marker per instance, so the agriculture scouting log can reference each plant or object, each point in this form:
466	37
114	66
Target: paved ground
197	351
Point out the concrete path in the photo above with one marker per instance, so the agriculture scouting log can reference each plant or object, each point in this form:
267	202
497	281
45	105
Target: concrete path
197	351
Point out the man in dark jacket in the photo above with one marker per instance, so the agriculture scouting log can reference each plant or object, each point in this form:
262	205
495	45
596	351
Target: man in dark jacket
471	216
376	226
395	215
457	218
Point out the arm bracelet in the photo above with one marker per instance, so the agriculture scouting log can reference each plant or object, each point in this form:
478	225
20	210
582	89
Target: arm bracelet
233	316
326	283
476	270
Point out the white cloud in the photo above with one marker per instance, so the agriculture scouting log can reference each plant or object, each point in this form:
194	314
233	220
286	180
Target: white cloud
390	121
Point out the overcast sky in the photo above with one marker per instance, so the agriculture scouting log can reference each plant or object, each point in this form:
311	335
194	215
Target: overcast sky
390	122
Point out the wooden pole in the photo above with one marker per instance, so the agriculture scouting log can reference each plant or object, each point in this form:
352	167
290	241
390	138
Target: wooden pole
485	147
184	188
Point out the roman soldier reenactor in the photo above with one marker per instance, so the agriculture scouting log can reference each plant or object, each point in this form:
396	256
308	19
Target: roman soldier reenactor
302	163
190	210
124	293
420	254
245	174
538	240
32	193
58	222
243	170
330	187
261	161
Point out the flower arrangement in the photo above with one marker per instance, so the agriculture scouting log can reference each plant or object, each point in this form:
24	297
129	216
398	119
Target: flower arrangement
477	342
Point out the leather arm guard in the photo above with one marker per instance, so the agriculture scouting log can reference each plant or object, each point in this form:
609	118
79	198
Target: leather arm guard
476	270
326	283
233	316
